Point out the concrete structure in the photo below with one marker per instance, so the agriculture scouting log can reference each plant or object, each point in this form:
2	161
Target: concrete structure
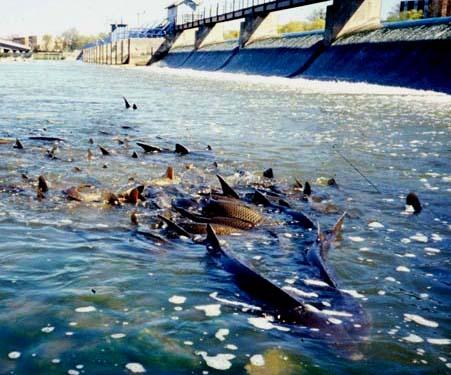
10	46
343	17
346	17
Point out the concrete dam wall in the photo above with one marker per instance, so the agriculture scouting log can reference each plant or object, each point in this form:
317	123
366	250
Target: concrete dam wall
414	54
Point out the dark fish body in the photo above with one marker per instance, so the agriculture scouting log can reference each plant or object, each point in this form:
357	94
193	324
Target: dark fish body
199	228
233	210
47	139
149	148
104	151
43	187
18	145
182	150
225	221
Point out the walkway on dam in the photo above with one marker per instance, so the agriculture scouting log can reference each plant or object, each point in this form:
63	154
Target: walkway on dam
238	9
16	47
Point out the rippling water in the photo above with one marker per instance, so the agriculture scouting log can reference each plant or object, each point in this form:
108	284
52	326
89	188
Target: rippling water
55	254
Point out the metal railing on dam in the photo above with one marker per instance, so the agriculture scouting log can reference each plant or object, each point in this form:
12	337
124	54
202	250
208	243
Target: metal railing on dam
236	9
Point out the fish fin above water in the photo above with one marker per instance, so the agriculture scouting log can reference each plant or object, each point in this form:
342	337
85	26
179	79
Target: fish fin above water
170	173
260	198
227	190
413	200
18	145
127	104
180	149
298	184
338	227
104	151
134	218
212	241
269	173
174	227
135	107
307	189
43	186
149	148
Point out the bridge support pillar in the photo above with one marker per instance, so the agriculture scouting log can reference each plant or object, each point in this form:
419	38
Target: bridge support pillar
209	34
345	17
257	27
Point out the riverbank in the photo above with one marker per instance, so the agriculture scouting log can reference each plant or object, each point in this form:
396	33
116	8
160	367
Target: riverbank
413	54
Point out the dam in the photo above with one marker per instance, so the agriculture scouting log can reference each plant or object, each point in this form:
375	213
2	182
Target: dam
355	46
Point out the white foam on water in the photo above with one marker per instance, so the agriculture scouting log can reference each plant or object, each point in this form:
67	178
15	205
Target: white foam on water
177	300
231	347
85	309
73	372
436	237
419	237
353	293
266	324
415	339
337	313
257	360
214	296
432	250
222	333
356	238
335	320
405	240
210	310
135	368
438	341
375	225
56	361
312	282
188	343
14	355
402	269
304	85
300	292
219	361
117	336
420	320
48	329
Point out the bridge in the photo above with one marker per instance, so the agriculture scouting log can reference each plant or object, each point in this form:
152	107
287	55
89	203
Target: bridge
200	26
8	46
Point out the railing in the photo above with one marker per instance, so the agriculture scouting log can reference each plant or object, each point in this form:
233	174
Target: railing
159	30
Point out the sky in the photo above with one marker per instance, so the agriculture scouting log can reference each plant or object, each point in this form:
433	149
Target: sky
38	17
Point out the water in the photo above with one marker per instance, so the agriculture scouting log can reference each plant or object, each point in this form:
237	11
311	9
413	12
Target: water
55	253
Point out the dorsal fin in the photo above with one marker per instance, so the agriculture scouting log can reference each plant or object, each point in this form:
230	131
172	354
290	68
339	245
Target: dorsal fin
127	104
307	189
149	148
227	190
170	173
42	185
269	173
212	240
180	149
134	218
260	198
104	151
18	145
298	184
339	225
175	227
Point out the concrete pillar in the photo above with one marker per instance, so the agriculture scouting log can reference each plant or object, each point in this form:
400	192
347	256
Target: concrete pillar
345	17
257	27
209	34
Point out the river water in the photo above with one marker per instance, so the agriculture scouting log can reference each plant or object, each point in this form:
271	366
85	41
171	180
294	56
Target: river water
81	292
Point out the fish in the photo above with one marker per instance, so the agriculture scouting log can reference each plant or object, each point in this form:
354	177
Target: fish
43	186
413	200
127	104
175	227
318	252
134	155
104	151
233	210
269	173
284	306
169	178
149	148
135	107
220	220
200	228
18	145
134	218
227	190
47	139
297	216
180	149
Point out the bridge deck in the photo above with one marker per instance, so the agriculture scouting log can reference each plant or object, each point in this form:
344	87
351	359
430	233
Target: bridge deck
258	7
6	44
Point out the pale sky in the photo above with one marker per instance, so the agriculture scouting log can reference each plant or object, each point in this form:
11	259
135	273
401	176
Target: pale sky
38	17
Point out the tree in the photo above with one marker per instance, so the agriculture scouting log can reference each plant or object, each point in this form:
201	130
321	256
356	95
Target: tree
396	15
71	39
46	39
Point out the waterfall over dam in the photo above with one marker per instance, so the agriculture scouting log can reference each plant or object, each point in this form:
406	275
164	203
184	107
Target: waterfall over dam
413	54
